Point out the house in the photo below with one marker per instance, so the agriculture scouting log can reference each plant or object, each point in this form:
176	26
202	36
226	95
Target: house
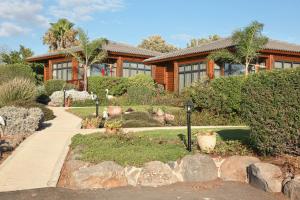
174	70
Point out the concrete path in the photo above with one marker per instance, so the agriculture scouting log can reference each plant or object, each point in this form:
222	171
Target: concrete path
37	162
190	191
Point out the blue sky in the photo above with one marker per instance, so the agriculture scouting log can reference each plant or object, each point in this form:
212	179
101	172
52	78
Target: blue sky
25	21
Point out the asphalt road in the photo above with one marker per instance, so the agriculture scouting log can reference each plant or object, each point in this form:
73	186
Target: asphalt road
192	191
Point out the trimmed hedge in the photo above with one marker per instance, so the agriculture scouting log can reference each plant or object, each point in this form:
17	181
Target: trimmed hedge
221	96
57	85
98	85
271	107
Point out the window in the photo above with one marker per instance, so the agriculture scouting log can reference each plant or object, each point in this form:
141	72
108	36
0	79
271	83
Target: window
191	73
62	71
217	71
131	69
233	69
285	65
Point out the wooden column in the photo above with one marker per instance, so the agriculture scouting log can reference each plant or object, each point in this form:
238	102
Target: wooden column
210	69
270	62
46	71
176	77
50	70
153	68
119	67
75	69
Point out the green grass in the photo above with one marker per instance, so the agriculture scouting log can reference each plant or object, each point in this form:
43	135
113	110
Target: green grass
136	149
87	111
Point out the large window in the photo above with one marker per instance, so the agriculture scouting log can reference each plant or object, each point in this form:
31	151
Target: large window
286	64
62	71
103	69
217	71
131	69
191	73
233	69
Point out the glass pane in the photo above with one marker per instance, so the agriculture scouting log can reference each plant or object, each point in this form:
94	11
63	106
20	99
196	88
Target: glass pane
80	73
195	67
217	71
133	72
195	76
181	69
54	66
70	64
64	65
125	72
95	70
278	65
295	65
70	74
141	66
203	66
148	67
64	74
237	69
287	65
54	74
148	73
181	82
126	64
59	66
203	74
188	68
227	69
133	65
188	79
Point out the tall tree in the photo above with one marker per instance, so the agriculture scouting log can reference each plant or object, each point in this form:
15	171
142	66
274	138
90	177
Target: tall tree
197	42
157	43
91	52
61	35
248	42
16	57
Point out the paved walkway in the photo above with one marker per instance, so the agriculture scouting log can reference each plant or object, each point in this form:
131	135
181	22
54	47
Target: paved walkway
38	160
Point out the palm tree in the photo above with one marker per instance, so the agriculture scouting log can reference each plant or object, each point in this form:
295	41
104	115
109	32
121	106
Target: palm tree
91	52
60	35
248	42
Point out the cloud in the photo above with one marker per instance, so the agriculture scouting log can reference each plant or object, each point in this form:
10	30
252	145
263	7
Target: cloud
83	9
182	37
25	12
9	29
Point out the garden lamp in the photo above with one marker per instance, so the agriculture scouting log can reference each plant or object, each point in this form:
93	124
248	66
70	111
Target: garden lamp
97	106
189	107
64	98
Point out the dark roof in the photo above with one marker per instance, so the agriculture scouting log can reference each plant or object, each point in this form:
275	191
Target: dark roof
221	44
110	47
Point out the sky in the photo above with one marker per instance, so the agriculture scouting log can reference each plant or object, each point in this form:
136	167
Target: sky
129	21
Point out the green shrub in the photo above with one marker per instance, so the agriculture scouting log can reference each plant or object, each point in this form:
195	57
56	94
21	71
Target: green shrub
85	103
98	85
139	95
142	80
17	89
271	107
57	85
9	72
48	114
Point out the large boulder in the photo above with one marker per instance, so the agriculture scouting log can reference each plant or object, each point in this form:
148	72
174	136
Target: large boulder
155	174
114	111
106	175
292	189
132	174
265	176
57	97
196	168
234	168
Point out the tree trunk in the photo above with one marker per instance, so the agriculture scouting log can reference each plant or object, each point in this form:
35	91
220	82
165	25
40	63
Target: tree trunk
85	78
246	69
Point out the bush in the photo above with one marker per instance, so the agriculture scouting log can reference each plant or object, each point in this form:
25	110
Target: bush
142	80
17	89
9	72
98	85
57	85
92	122
21	120
270	106
83	103
139	95
48	114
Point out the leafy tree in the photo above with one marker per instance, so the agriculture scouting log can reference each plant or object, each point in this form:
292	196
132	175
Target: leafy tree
157	43
92	52
197	42
248	42
61	35
16	57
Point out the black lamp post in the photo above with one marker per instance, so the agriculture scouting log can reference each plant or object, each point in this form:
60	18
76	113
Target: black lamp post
64	104
189	108
97	106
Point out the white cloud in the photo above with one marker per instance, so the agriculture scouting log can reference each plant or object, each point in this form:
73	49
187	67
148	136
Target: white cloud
9	29
83	9
182	37
25	12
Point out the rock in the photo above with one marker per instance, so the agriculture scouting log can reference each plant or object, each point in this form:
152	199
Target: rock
160	119
114	111
106	175
197	168
160	112
70	167
234	168
292	189
155	174
169	117
265	176
132	174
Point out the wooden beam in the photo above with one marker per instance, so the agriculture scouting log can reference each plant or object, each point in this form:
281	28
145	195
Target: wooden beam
119	66
176	77
270	62
75	69
210	69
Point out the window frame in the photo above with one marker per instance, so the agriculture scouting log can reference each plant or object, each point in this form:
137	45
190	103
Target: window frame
59	70
138	69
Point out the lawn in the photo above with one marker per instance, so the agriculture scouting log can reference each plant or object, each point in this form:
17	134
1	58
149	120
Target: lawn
135	149
88	111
